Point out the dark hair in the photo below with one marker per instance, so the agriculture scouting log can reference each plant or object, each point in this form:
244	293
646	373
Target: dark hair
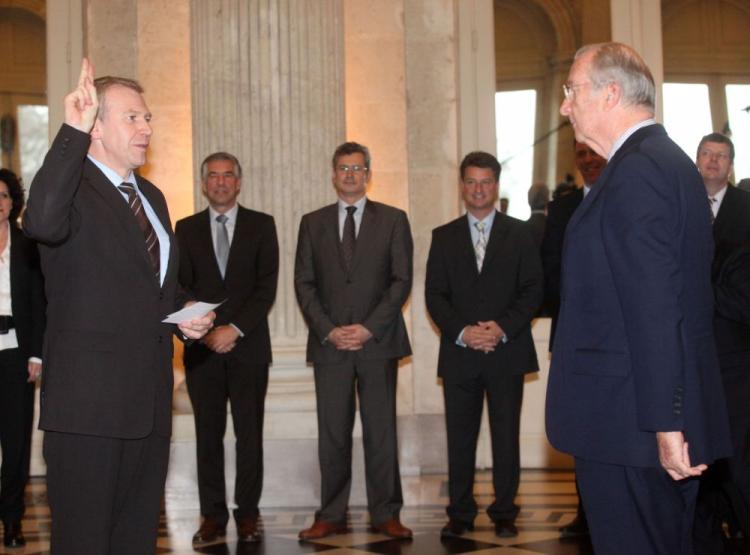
479	159
351	148
103	84
215	157
15	189
717	138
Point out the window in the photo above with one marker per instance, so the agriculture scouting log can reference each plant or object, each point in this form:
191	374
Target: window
687	114
515	115
33	140
738	109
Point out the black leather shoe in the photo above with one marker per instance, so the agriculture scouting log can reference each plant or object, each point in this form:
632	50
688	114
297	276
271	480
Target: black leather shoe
505	528
578	527
209	531
13	535
455	529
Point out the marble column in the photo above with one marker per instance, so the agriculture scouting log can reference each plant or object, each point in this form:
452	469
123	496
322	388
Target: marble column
638	24
268	87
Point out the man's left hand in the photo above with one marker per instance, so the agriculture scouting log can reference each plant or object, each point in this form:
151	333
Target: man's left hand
358	333
197	327
674	457
222	339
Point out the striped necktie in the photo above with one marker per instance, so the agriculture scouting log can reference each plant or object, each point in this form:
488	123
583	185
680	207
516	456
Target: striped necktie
480	249
152	241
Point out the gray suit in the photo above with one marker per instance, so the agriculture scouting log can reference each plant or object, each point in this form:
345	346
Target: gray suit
371	294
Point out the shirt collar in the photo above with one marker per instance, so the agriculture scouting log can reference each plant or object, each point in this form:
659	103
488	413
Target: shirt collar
625	136
112	175
488	220
360	204
231	214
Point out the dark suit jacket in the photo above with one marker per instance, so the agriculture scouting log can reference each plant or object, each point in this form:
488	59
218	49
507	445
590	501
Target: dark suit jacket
107	356
249	285
27	294
536	223
508	291
559	212
732	321
371	294
634	352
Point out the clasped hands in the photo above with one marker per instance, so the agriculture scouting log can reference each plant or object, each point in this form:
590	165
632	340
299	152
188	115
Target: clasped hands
483	336
349	338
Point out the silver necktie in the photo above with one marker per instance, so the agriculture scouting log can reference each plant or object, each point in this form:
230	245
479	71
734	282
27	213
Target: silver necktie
222	243
480	249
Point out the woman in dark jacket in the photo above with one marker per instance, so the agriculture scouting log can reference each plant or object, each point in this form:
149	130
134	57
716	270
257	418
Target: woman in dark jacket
21	330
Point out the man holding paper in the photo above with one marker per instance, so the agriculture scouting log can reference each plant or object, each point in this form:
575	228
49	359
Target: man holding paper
110	266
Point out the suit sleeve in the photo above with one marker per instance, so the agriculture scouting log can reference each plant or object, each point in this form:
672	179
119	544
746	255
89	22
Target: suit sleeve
640	232
305	284
529	288
256	308
50	217
401	253
438	293
38	302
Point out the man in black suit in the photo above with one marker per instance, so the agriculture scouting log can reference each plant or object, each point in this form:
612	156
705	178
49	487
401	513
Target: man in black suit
352	275
590	164
111	278
229	253
727	485
483	287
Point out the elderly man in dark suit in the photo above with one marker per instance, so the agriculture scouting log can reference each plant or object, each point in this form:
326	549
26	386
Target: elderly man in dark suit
559	212
110	269
728	482
229	253
483	287
352	275
634	389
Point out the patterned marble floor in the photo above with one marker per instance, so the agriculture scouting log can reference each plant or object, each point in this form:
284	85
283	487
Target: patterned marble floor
547	500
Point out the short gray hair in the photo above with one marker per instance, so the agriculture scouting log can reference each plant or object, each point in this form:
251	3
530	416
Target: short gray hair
614	62
219	156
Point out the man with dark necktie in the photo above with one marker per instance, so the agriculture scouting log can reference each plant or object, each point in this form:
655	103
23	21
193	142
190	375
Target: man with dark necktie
110	268
229	253
352	275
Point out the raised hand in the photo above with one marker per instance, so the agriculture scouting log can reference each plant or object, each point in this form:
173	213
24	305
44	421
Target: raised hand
81	104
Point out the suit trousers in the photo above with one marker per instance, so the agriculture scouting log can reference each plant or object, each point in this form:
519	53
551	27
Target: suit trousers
211	383
104	493
637	510
464	402
375	384
16	417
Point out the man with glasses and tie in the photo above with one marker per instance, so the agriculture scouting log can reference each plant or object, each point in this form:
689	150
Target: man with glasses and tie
727	483
352	276
483	287
110	267
229	253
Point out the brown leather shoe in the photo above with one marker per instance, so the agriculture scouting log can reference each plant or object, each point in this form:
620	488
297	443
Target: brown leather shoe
247	530
321	529
393	529
209	531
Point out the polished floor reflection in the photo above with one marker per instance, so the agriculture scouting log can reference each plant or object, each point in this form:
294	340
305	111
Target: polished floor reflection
547	500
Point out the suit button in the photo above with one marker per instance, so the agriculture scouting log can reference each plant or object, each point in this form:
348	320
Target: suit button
160	340
161	296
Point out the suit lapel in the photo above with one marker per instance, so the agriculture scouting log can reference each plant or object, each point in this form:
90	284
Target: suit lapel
367	233
129	232
497	233
159	206
727	216
465	244
330	217
205	242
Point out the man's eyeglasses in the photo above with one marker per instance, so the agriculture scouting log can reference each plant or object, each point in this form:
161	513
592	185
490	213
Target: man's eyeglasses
569	89
344	168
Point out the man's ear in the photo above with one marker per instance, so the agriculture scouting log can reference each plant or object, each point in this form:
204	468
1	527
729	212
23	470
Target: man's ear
613	95
96	131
